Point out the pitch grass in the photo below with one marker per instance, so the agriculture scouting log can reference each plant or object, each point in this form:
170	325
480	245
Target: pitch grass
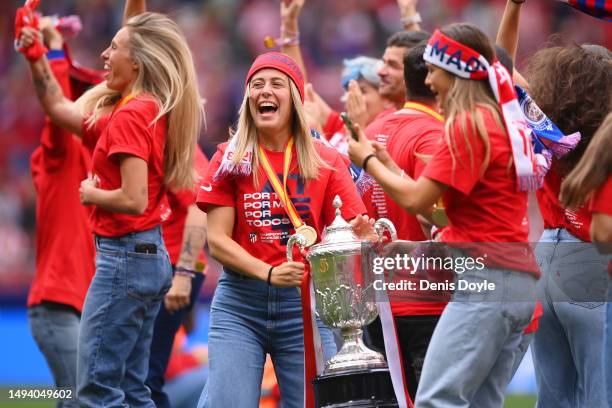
514	401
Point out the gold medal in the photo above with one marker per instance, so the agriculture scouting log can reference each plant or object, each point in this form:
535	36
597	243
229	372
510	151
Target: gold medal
309	233
438	216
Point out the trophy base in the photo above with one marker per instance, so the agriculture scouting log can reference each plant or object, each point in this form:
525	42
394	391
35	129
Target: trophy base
368	388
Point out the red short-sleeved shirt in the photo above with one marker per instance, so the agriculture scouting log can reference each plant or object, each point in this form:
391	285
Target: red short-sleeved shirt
577	222
411	138
262	227
335	132
602	199
129	131
175	213
64	243
483	207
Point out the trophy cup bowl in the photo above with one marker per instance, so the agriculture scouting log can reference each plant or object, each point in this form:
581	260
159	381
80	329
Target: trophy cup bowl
344	291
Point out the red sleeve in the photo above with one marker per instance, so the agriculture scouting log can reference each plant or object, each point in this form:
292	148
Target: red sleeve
424	150
334	124
340	183
602	200
130	133
219	192
461	168
185	198
55	139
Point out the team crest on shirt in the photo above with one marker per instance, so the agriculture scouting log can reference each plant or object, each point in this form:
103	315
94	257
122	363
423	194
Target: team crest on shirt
253	237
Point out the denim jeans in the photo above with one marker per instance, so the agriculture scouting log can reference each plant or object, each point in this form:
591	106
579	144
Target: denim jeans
475	343
55	329
607	356
248	320
413	334
166	326
117	321
568	345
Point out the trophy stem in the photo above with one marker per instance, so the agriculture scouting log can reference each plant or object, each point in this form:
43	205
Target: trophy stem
354	354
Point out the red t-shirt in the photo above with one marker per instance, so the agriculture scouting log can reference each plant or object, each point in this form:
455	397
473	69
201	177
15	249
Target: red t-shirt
262	226
577	222
174	213
129	131
483	206
335	132
411	137
602	203
602	199
64	243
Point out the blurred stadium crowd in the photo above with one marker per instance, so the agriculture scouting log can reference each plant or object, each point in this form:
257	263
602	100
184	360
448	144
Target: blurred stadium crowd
224	36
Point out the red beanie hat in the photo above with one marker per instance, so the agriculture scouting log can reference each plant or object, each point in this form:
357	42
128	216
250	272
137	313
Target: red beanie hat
281	62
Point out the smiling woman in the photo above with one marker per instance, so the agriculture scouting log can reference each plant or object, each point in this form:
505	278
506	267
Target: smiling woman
144	121
251	214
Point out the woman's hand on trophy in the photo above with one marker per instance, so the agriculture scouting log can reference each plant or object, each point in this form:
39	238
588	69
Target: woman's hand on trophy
287	274
363	227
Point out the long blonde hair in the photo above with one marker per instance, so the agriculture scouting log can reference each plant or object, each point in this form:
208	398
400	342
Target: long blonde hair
167	73
309	160
593	169
465	96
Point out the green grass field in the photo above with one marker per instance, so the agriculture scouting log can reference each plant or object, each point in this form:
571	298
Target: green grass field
526	401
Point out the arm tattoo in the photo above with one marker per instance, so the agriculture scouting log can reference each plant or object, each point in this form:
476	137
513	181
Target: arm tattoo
193	243
45	84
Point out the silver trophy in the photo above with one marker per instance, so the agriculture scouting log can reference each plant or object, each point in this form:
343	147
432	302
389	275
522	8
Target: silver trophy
344	291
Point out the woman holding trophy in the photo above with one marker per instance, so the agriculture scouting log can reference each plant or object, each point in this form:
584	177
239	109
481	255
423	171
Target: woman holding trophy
272	178
481	175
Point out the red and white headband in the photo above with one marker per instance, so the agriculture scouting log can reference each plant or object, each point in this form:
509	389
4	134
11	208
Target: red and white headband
458	59
452	56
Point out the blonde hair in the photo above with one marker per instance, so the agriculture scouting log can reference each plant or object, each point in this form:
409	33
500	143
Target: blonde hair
466	95
593	169
463	100
309	160
167	73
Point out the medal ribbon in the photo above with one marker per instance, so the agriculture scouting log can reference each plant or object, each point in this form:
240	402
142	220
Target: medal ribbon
281	189
121	103
425	109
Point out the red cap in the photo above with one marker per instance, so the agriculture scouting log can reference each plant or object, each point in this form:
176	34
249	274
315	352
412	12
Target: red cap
281	62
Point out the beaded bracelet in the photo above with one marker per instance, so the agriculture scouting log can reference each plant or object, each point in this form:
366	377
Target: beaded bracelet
182	271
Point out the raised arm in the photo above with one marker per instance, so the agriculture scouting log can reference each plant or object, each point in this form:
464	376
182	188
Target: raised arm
508	35
133	8
61	110
409	16
55	139
290	31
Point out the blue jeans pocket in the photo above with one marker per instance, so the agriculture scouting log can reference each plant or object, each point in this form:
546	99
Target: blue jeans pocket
587	305
147	275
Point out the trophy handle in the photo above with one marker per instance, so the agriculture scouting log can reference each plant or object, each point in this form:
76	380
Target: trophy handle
384	224
295	239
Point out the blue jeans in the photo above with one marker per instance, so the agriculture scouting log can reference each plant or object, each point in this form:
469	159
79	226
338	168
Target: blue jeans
607	357
166	326
55	329
568	345
476	342
248	320
117	320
